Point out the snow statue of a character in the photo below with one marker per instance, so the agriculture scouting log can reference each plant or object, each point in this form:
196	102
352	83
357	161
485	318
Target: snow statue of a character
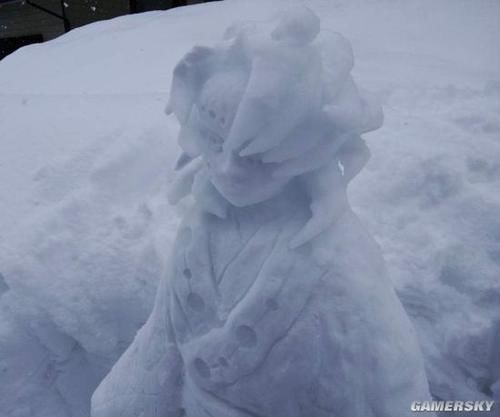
275	303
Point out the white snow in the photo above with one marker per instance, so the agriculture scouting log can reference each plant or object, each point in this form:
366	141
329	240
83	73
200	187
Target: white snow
87	154
276	303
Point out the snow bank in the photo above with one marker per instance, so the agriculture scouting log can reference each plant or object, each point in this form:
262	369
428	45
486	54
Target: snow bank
80	258
87	153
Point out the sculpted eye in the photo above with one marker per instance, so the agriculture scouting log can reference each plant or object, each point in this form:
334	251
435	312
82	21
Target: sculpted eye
211	140
215	141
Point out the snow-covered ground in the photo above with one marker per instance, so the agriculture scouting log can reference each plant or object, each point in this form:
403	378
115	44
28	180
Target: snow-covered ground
86	155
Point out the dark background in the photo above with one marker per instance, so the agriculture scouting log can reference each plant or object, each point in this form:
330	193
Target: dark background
23	22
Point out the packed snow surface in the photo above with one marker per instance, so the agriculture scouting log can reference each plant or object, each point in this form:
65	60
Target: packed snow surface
85	226
276	302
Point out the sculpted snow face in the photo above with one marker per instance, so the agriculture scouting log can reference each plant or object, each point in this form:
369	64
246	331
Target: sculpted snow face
275	303
240	180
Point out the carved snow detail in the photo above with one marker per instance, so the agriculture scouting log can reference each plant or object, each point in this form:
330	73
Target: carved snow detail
276	303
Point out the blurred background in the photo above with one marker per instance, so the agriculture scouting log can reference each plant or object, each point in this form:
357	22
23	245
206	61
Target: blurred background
23	22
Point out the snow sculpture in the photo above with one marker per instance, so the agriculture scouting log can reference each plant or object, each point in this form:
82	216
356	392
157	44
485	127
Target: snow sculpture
276	303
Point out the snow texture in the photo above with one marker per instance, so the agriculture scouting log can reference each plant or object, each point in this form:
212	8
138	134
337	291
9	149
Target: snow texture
276	302
85	227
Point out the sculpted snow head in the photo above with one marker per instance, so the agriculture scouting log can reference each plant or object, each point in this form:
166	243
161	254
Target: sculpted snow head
272	103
